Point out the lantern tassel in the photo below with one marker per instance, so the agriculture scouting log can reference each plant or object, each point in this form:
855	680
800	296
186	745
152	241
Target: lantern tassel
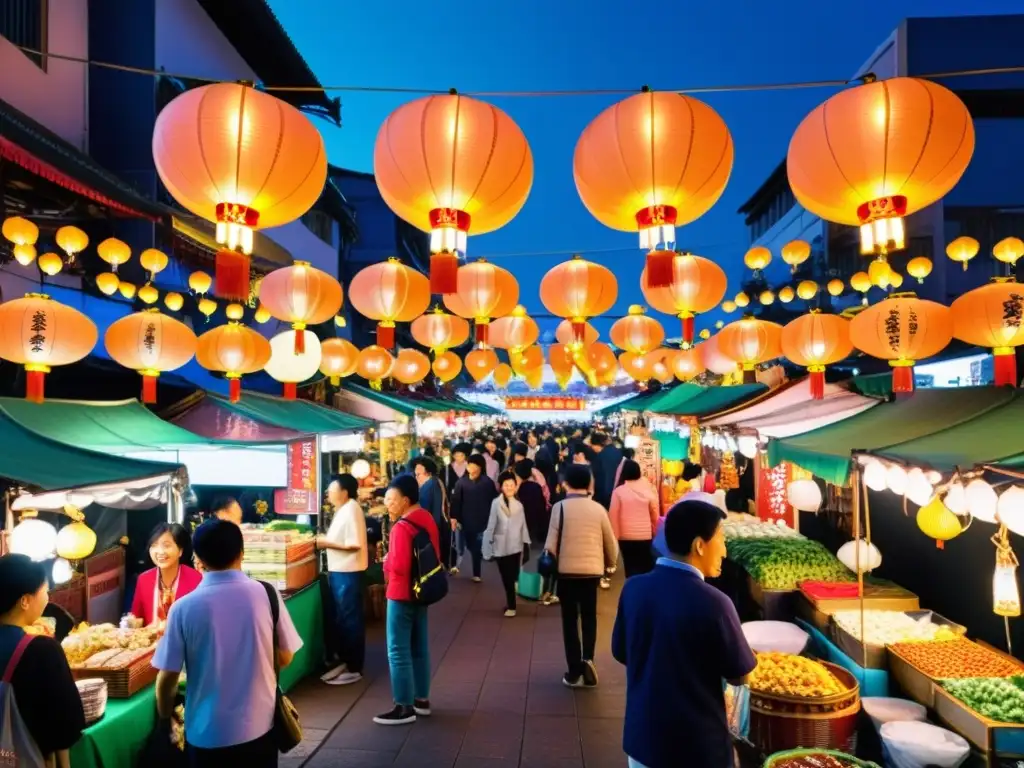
579	330
149	387
231	279
1006	369
940	544
300	341
35	386
660	268
482	332
235	389
385	336
902	376
688	323
289	390
817	373
444	272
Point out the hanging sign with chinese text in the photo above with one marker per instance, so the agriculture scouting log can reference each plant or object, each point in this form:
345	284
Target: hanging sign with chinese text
544	404
302	495
772	502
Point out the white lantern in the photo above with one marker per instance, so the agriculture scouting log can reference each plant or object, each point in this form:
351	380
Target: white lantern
919	490
896	479
62	571
870	557
933	477
956	499
1010	509
875	476
35	538
981	500
289	367
804	495
747	446
360	469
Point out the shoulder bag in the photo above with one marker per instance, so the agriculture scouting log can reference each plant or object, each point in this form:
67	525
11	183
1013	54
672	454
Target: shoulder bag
547	563
287	729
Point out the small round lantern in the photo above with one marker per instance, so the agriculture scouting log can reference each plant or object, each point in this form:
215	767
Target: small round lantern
389	292
411	366
484	291
446	366
150	343
636	332
962	250
480	363
576	290
786	294
72	241
919	267
757	258
375	364
20	231
751	341
835	287
107	283
439	331
514	332
564	333
291	367
795	253
1008	250
115	252
689	363
233	350
529	359
814	341
338	359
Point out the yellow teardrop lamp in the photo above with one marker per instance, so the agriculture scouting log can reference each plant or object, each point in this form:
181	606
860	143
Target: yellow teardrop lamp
937	522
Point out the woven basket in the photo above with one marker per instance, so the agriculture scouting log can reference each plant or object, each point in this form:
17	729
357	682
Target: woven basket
125	682
837	702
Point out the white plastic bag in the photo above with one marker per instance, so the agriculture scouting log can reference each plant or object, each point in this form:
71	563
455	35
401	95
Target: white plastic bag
916	745
775	636
885	709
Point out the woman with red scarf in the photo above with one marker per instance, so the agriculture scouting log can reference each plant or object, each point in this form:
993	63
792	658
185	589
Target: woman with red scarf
170	548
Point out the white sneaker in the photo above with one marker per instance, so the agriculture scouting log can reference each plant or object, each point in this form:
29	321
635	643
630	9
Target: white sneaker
346	678
605	584
509	614
333	673
477	579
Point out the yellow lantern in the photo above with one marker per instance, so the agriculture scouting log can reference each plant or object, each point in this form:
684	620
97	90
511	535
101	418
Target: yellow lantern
895	279
767	298
75	541
937	522
705	334
919	267
51	263
108	283
174	301
807	290
741	299
757	258
127	289
72	241
836	287
1008	250
113	251
24	254
728	306
963	249
200	282
262	314
795	253
861	283
20	231
878	273
207	306
234	311
148	294
153	261
786	294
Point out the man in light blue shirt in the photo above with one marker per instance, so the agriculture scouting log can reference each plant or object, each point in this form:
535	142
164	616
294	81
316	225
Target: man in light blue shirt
223	632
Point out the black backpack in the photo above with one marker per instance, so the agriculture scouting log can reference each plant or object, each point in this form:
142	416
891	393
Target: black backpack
429	581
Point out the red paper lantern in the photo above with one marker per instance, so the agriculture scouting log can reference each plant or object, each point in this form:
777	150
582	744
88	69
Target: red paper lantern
484	291
814	341
439	331
697	285
301	295
233	350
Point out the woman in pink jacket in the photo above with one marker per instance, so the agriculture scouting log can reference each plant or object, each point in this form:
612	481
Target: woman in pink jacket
634	516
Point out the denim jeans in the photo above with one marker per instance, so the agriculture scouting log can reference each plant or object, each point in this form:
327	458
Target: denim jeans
408	652
347	589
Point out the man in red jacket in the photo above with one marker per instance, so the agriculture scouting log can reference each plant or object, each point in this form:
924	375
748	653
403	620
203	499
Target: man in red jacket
408	652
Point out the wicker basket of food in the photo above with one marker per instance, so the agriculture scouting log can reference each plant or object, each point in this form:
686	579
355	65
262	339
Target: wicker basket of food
125	672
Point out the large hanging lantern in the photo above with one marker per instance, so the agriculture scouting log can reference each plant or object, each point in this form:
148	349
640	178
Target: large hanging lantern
40	333
576	290
990	316
446	366
795	253
815	340
338	359
411	366
375	364
527	360
902	329
514	332
689	363
715	359
564	333
650	163
451	165
875	153
150	343
439	331
389	292
751	341
480	363
243	159
697	285
233	350
484	291
636	332
301	295
20	231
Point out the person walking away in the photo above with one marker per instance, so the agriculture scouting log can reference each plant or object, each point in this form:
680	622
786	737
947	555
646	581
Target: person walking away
505	537
433	499
531	496
226	631
452	474
605	462
679	638
519	453
580	536
348	557
627	454
634	517
49	717
407	633
471	508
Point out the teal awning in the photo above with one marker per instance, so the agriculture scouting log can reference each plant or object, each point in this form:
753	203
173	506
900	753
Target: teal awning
297	415
711	400
667	400
673	446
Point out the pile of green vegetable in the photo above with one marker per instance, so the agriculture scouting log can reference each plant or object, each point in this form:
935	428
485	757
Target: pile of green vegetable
997	698
784	563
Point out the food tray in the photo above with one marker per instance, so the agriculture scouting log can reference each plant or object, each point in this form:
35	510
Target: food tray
1006	739
915	683
123	682
878	597
778	757
877	657
293	553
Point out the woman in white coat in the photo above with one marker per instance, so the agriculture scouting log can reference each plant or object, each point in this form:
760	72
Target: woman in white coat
506	536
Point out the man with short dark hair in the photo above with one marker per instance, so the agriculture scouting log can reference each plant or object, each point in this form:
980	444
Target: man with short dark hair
227	508
679	639
225	628
433	499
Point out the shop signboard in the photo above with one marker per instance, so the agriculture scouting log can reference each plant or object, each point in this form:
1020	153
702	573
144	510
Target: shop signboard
648	456
772	501
547	403
302	494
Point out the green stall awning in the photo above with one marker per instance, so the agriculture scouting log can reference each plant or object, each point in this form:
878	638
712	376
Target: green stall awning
673	446
296	415
404	407
713	399
667	400
826	452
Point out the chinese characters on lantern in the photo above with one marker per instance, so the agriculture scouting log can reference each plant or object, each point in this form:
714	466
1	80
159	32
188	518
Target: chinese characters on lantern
772	502
1012	311
38	338
544	403
892	329
149	337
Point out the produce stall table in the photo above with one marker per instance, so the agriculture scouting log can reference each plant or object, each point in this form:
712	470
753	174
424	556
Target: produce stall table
117	740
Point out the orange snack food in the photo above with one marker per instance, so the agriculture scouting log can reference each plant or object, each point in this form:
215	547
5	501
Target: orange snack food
956	659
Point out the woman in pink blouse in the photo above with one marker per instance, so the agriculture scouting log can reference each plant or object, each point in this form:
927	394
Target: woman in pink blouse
634	516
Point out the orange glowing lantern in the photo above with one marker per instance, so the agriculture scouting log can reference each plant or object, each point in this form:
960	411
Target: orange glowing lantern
814	341
338	359
689	363
411	365
578	289
564	333
836	287
72	241
715	360
375	364
1008	250
514	332
991	316
446	366
636	332
697	285
484	291
638	367
502	375
751	341
243	159
650	163
40	333
786	294
527	360
115	252
660	361
795	253
150	343
962	250
757	258
561	359
481	362
20	231
902	329
153	261
873	154
451	165
233	350
301	295
535	378
601	360
389	292
439	331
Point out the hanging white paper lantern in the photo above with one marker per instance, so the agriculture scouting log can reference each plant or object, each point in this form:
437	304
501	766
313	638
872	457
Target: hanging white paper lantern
35	538
956	499
360	469
747	446
981	500
870	557
875	476
896	479
1010	508
919	490
804	495
289	367
62	571
933	477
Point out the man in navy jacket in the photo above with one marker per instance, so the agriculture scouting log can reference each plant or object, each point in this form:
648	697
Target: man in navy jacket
679	639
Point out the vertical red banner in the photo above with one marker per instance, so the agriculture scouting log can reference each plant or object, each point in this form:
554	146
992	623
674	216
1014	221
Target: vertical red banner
300	497
772	501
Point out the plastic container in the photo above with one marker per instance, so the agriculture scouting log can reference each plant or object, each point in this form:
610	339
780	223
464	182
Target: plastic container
775	636
910	744
887	709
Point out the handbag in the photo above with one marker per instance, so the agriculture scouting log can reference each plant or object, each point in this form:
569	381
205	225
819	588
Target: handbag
547	563
287	729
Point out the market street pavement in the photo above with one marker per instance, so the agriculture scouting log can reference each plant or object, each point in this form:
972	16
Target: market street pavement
497	696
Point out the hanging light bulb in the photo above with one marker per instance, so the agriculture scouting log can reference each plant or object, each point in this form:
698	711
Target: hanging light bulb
956	499
62	571
896	479
33	537
933	477
919	490
1010	509
875	476
982	501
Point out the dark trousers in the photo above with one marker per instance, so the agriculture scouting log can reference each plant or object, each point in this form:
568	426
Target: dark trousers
261	753
508	567
637	557
474	541
578	600
350	620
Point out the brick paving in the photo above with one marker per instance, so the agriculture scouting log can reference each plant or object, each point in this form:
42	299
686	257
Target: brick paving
497	696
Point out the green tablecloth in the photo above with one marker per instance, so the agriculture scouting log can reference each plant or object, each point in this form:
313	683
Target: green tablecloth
117	740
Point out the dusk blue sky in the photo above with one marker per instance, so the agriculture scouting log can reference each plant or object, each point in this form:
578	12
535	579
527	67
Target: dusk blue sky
528	45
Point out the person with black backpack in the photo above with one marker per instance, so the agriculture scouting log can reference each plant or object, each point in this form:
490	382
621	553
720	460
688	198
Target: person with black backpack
415	579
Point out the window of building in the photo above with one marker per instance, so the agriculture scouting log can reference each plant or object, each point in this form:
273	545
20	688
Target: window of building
320	224
23	23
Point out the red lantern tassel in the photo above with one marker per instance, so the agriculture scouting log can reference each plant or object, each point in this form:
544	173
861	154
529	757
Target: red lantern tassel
385	336
579	330
300	341
482	332
35	386
902	378
148	388
817	373
232	275
660	272
444	272
1006	368
940	544
688	322
235	389
289	390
